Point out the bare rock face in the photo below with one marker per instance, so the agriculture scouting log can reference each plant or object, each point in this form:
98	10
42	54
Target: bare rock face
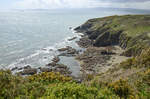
107	39
85	42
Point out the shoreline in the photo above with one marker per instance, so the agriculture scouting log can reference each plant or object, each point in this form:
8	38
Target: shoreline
74	49
96	60
91	60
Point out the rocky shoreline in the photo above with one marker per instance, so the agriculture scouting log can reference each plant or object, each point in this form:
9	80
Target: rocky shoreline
53	66
95	60
92	61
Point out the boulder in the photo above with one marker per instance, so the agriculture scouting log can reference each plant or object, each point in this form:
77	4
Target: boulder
63	49
30	71
72	39
61	66
45	69
68	51
51	64
14	68
56	59
27	67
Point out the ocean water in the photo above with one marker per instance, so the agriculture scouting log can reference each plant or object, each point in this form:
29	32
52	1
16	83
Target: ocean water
28	36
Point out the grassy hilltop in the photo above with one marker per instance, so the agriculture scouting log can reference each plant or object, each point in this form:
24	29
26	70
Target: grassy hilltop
128	80
131	32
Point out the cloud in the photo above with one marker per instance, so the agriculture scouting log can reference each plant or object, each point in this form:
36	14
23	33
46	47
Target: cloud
53	4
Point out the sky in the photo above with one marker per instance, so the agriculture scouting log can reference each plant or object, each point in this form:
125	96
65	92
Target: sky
58	4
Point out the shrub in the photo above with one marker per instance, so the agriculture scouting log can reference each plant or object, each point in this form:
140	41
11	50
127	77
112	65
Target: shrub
49	77
10	85
129	63
121	88
72	91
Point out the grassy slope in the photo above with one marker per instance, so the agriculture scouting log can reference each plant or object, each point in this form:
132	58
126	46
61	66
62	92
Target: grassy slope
132	25
129	31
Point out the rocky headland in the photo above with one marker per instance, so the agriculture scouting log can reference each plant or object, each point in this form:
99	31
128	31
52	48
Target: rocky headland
130	32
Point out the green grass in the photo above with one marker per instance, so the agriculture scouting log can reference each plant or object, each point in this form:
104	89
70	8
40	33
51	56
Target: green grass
135	30
132	24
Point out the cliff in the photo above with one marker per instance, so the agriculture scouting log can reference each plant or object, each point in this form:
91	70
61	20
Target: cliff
131	32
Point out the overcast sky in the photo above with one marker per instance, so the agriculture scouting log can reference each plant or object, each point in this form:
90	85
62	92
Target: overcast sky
54	4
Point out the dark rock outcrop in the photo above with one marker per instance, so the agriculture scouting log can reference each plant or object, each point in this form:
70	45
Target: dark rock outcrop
30	71
45	69
85	42
68	51
72	39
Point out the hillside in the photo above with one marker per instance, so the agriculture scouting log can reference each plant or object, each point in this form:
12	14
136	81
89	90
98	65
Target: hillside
131	32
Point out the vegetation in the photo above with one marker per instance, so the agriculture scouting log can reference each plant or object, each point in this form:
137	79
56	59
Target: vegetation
48	86
131	32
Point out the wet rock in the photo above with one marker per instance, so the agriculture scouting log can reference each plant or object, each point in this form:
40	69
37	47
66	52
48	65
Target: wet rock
70	28
61	66
15	68
27	67
68	51
44	49
56	59
45	70
72	39
20	68
45	57
30	71
63	69
50	49
63	49
52	64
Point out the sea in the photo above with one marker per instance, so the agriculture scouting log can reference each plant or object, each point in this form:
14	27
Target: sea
32	37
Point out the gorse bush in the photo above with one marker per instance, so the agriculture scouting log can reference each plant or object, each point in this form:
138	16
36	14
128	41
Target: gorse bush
122	88
61	87
72	91
47	86
49	77
10	86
